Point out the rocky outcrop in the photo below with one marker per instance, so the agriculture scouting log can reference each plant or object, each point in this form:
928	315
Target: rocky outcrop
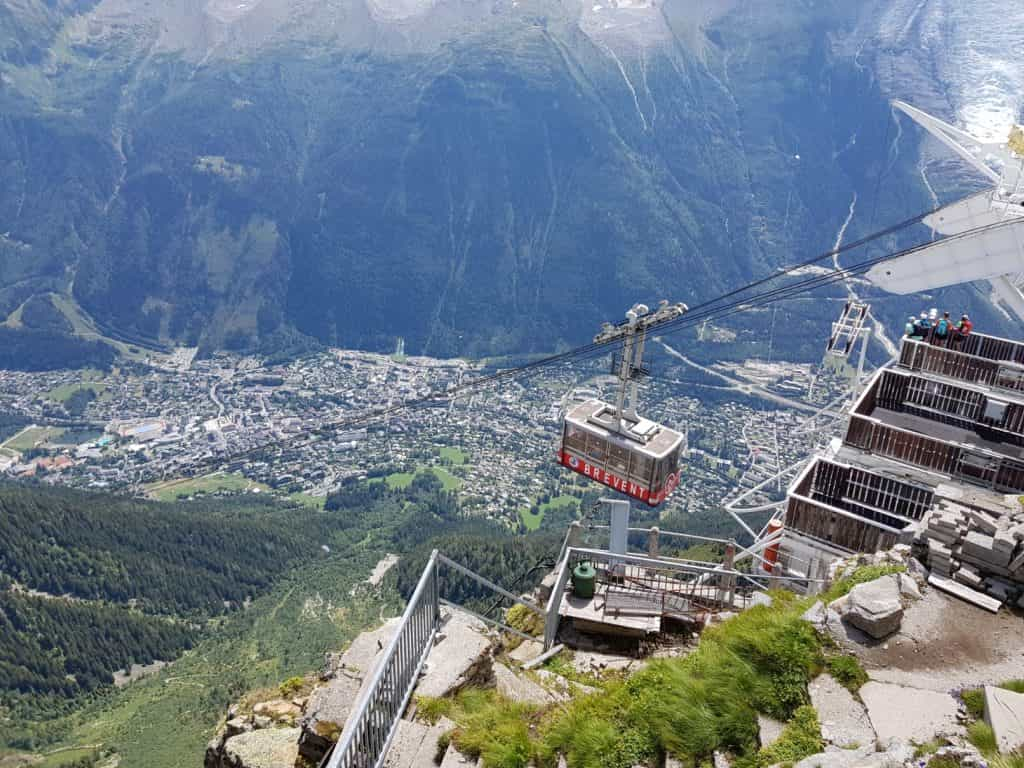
345	675
279	733
875	608
461	655
255	748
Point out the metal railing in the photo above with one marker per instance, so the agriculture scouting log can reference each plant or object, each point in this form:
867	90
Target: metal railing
703	581
375	718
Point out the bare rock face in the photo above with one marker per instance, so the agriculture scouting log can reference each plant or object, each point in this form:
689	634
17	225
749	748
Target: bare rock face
326	714
844	721
896	756
875	607
460	656
262	748
269	748
330	705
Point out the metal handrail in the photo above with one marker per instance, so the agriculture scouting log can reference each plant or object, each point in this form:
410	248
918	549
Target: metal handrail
555	602
656	565
374	720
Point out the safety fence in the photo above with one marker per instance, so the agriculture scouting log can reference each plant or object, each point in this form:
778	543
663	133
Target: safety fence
373	722
375	718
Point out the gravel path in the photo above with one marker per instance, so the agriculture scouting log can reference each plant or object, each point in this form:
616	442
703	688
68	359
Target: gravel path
946	644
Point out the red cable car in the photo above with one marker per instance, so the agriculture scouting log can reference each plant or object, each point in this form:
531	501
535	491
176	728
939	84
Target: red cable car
643	462
613	445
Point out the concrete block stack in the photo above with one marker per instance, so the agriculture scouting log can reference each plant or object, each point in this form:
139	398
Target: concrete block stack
944	533
979	549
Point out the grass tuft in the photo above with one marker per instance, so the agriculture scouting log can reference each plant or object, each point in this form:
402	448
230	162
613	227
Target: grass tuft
432	709
981	735
974	700
799	739
847	671
859	575
926	748
492	728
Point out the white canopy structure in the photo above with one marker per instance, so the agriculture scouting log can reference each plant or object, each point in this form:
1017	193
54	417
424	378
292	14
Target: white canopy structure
984	232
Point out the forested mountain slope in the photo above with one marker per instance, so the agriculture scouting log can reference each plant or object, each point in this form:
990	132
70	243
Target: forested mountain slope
476	177
148	581
163	558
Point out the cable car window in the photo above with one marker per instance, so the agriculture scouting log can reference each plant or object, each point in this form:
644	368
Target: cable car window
575	438
596	448
640	467
659	473
618	457
995	410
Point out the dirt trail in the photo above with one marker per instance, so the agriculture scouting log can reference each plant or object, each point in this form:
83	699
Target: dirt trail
946	644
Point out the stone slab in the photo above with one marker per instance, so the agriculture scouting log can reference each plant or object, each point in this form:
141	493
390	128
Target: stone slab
770	729
526	651
1004	711
455	759
520	688
908	714
460	650
267	748
844	721
415	744
965	593
984	523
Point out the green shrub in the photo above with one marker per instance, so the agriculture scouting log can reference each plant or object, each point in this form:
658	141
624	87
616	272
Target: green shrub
291	686
603	729
800	738
847	671
974	700
760	660
522	618
492	728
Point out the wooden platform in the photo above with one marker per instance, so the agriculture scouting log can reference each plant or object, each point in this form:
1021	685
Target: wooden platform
596	616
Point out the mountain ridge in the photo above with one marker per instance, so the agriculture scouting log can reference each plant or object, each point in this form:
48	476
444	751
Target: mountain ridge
485	179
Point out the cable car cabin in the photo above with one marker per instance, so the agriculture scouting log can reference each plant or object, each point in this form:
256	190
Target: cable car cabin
644	465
